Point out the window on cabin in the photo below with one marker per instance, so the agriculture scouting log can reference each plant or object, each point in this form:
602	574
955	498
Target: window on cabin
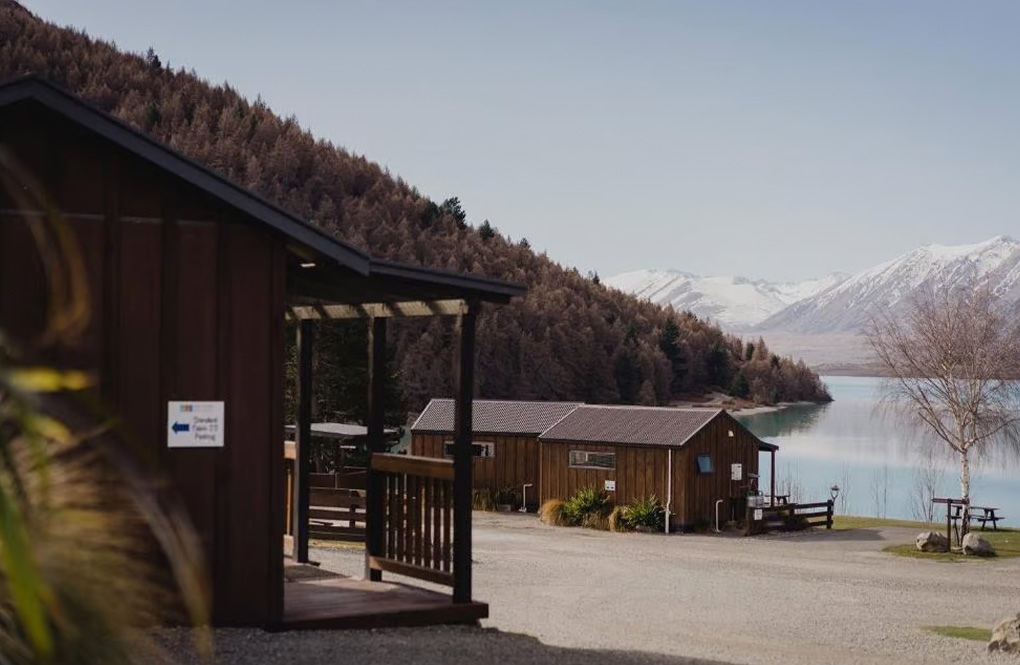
586	459
485	449
705	464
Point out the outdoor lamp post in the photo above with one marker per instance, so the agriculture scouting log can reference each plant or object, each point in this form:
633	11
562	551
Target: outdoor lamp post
834	492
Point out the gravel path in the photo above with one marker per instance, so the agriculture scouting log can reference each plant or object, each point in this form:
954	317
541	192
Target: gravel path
820	597
449	645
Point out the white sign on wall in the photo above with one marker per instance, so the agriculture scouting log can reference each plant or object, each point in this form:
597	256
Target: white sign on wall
736	471
757	514
610	485
194	425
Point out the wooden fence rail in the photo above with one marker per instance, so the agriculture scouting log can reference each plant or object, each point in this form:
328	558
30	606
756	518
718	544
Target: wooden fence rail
415	537
788	517
336	506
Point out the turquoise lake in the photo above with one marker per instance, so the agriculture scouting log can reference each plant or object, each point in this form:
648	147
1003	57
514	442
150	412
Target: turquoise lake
857	443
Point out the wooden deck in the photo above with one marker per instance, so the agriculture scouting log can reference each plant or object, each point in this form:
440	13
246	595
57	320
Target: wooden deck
345	603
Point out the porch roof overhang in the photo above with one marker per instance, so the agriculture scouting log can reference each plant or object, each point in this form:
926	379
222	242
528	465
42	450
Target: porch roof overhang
765	447
322	270
328	291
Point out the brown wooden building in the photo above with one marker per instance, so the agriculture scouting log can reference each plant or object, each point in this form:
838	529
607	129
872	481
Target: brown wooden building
684	457
191	279
505	443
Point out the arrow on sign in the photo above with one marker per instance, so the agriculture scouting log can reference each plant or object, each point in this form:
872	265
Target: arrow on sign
180	427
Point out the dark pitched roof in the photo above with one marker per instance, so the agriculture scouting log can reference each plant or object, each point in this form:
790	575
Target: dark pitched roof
633	425
418	281
495	417
74	108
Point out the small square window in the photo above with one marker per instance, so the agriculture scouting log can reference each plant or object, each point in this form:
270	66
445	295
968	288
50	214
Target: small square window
478	449
705	464
584	459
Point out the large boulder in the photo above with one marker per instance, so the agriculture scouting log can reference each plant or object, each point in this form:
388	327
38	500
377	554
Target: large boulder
1006	636
974	545
932	541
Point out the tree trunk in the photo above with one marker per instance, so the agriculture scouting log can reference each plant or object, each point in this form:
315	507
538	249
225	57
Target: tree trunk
965	493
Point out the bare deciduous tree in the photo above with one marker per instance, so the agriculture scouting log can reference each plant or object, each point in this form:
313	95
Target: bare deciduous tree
928	476
790	485
844	490
953	364
880	490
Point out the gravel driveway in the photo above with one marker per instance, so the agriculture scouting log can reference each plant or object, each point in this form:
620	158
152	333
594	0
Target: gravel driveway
818	597
596	598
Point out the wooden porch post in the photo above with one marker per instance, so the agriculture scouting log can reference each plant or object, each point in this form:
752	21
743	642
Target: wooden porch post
772	479
303	440
462	455
376	416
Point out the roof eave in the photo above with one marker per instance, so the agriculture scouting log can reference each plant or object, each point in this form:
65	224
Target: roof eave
484	288
36	89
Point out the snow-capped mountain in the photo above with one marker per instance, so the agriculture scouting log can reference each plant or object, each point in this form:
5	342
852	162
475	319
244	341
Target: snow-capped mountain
735	303
844	307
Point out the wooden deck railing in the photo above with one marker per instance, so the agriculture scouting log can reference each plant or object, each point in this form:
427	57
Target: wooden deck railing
414	533
337	503
788	517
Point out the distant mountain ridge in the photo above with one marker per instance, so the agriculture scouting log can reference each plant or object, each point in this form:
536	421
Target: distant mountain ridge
837	303
735	303
845	307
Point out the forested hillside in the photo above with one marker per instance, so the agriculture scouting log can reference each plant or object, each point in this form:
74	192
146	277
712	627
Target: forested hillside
570	338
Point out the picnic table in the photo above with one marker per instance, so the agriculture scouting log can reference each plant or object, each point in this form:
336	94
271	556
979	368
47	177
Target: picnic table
987	515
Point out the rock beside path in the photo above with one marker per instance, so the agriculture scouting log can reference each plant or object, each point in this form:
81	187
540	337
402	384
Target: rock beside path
932	541
1006	636
974	545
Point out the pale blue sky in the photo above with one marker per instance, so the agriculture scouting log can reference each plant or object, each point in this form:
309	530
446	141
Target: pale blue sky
780	140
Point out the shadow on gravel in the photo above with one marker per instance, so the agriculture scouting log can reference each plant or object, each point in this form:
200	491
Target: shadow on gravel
442	645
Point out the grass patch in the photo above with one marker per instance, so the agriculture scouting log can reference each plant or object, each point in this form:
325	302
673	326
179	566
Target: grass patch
914	553
336	545
845	522
1005	541
961	632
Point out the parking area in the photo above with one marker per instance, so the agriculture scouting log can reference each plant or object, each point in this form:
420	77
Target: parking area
815	597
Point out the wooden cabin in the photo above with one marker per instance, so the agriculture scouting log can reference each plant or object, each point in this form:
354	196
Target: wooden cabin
190	282
686	457
505	442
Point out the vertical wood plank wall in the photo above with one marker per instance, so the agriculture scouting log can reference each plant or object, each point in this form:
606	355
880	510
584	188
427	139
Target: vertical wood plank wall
641	471
701	491
515	461
187	303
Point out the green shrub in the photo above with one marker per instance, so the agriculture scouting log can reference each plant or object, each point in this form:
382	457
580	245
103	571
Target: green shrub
509	496
646	514
490	499
588	507
484	499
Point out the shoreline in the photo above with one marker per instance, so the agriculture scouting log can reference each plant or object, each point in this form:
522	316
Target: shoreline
746	409
756	410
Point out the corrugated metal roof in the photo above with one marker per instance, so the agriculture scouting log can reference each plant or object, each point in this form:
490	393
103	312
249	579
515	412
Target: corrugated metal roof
495	416
633	425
